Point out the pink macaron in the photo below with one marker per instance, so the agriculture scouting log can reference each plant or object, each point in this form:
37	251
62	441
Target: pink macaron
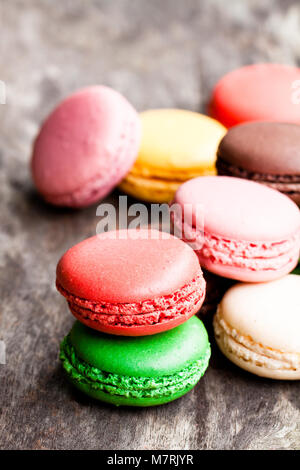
248	232
131	282
85	147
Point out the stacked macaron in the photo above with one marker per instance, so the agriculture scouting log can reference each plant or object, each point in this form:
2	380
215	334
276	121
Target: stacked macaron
134	294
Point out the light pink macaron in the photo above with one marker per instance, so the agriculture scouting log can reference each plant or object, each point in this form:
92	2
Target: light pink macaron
246	231
85	147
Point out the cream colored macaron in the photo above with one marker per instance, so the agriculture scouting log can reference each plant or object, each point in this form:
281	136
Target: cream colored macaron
176	145
257	327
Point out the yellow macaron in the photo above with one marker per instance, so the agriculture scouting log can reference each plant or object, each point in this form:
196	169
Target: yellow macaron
176	145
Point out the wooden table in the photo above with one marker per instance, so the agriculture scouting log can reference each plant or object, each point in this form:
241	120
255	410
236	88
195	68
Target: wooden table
159	54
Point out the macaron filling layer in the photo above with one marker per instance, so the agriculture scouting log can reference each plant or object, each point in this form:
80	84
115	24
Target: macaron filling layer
128	386
252	255
181	302
101	183
164	185
246	349
289	184
174	175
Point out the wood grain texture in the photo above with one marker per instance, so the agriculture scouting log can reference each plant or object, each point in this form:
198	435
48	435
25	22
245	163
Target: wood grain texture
159	54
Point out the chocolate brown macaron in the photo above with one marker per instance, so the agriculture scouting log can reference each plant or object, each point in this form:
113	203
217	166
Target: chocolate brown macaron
265	152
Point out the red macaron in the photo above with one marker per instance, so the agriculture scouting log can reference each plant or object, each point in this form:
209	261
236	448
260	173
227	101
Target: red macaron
258	92
131	282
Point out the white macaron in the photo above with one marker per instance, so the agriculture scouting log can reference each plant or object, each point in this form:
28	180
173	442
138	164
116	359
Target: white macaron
257	327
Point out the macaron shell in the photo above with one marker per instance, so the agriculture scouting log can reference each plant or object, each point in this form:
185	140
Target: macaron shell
85	147
174	141
145	356
138	267
260	92
263	147
265	152
239	209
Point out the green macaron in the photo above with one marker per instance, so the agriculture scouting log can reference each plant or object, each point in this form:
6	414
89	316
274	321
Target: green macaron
136	371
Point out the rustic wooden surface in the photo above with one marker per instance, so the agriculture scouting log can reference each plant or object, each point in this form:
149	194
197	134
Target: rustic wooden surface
159	54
